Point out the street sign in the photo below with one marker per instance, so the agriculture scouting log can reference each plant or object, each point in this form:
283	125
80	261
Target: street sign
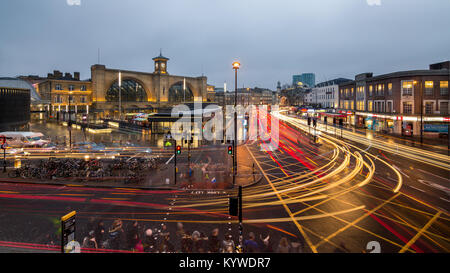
68	232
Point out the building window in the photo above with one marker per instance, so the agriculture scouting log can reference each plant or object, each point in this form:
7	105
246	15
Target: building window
429	108
58	99
407	108
407	87
71	87
83	88
370	106
370	90
444	88
429	88
83	99
58	87
443	107
130	91
389	106
390	89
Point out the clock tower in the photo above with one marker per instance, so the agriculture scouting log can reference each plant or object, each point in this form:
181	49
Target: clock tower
160	64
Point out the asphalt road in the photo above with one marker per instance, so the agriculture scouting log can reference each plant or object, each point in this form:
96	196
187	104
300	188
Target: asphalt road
338	196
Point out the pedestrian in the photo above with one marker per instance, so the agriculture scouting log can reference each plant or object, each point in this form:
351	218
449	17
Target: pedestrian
115	234
179	235
149	243
138	247
283	246
250	245
89	241
228	244
186	243
266	244
166	246
99	232
296	247
132	234
214	242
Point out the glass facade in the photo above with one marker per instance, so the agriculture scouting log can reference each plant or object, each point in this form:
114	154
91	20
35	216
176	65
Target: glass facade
130	91
177	94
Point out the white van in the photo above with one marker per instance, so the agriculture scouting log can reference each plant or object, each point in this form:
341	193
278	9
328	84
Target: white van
24	139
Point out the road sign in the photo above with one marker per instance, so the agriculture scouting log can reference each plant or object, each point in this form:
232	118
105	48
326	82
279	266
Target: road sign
67	232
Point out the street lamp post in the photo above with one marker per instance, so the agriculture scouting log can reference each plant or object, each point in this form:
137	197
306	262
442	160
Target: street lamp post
236	66
120	96
421	112
421	109
70	124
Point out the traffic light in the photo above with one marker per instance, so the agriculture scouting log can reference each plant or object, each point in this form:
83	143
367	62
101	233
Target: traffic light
178	149
341	122
314	122
230	150
309	121
233	206
325	119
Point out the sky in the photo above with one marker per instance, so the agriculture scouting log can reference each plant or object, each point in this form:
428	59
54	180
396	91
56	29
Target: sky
272	39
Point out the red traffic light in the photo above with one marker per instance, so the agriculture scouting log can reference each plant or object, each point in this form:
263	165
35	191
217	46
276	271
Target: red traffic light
230	150
178	149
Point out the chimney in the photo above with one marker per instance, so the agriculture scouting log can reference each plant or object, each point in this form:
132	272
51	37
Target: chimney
67	75
76	75
57	74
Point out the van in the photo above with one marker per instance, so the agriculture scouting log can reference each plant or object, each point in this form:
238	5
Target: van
24	139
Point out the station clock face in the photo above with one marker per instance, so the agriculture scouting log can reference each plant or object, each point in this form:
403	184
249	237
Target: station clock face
156	65
163	65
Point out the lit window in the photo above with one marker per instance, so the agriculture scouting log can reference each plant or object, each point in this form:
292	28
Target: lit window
407	87
444	88
429	88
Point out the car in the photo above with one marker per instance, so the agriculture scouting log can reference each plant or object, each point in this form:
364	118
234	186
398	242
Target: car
25	139
88	146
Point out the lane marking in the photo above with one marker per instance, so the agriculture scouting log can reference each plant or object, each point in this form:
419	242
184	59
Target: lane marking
285	206
414	239
357	220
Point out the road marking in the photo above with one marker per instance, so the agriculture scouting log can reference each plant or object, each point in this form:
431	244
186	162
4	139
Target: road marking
170	159
414	239
356	221
285	206
416	188
443	178
444	199
398	169
434	185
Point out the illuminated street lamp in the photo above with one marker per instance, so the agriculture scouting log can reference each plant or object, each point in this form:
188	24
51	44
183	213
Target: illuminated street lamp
236	66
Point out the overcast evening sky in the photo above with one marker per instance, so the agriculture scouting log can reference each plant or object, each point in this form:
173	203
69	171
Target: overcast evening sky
273	39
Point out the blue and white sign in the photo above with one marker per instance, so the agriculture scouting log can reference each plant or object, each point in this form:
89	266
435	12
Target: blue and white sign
437	128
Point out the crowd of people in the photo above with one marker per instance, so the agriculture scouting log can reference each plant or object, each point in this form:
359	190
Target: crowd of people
134	237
